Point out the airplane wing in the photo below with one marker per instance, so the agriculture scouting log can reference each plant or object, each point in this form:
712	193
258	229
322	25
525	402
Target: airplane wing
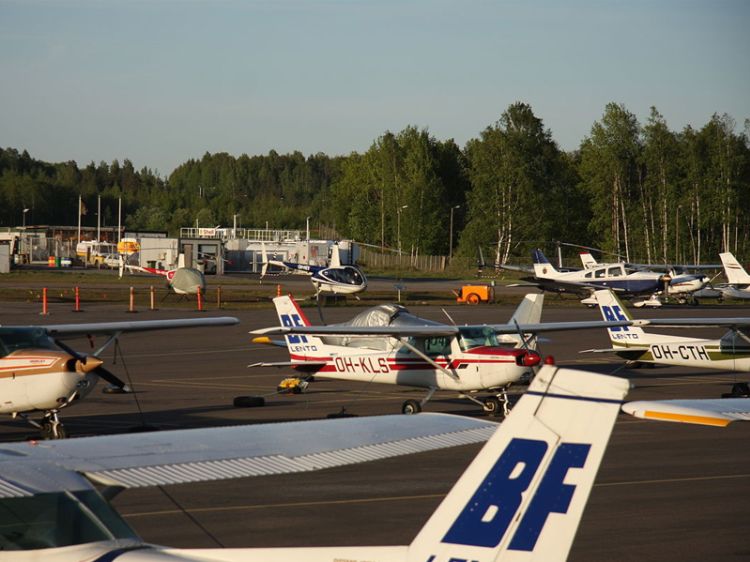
737	322
439	330
196	455
310	366
95	328
717	412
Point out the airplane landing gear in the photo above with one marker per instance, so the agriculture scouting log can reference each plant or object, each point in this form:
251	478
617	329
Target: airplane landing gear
52	427
411	407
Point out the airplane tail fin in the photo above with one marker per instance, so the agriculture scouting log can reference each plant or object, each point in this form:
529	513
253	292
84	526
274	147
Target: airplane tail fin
736	274
523	496
301	346
528	312
588	260
542	267
613	310
264	257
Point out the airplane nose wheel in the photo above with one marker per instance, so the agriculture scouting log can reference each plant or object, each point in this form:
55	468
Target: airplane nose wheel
492	406
411	407
52	427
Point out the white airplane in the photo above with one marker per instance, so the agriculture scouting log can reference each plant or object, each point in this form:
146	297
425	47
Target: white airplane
718	412
730	352
40	373
738	286
387	344
335	279
521	498
182	280
683	286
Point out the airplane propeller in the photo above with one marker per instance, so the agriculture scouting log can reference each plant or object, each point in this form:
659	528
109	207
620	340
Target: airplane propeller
91	364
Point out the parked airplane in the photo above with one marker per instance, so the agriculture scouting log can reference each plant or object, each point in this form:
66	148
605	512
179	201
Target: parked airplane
521	498
182	280
334	278
718	412
637	346
40	373
738	286
619	277
387	344
683	286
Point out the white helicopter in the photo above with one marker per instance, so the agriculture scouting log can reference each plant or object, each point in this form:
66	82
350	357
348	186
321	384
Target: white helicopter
387	344
40	373
334	279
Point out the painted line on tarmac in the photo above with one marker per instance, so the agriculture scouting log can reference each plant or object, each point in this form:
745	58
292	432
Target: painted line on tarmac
399	498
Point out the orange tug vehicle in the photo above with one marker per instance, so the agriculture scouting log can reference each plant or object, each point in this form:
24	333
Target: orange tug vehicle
474	294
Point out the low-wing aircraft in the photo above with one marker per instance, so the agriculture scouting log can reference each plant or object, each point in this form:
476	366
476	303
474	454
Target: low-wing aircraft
738	286
521	498
386	344
633	343
41	373
335	279
683	286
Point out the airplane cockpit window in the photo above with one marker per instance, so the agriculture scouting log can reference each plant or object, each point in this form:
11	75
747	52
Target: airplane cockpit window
599	273
437	346
615	271
13	339
589	275
346	275
469	338
59	519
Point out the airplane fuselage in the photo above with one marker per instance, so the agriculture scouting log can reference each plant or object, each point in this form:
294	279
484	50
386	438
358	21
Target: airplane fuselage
481	368
38	380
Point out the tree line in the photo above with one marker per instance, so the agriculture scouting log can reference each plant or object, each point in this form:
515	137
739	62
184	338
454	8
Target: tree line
642	191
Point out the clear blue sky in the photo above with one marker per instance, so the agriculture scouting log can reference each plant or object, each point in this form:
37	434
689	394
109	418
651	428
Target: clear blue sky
162	81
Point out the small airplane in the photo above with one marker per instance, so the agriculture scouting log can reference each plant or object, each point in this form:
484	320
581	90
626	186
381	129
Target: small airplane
619	277
683	286
521	498
738	286
335	279
387	344
718	412
41	373
731	351
182	280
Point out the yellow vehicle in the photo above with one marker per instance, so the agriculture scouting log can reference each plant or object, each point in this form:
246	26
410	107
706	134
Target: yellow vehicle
292	385
474	294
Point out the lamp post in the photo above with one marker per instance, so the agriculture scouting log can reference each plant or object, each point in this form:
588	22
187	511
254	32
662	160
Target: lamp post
450	242
398	229
24	217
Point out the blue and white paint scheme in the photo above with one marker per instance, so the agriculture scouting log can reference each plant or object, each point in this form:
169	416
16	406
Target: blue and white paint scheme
333	279
521	498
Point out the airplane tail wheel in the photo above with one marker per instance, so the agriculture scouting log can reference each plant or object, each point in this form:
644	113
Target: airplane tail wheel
473	298
248	401
411	407
492	406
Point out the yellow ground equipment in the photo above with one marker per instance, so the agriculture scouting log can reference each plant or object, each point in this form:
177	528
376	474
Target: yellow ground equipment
292	385
474	294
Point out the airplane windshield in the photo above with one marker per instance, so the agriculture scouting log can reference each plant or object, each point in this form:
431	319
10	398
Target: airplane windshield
347	275
13	339
469	338
59	519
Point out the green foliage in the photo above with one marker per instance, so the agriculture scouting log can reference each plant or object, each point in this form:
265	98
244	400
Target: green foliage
645	192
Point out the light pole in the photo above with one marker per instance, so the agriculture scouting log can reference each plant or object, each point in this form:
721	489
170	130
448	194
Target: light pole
24	217
450	243
398	229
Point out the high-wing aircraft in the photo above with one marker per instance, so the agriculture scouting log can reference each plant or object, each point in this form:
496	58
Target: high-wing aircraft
738	286
335	279
633	343
683	286
386	344
41	373
718	412
521	498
